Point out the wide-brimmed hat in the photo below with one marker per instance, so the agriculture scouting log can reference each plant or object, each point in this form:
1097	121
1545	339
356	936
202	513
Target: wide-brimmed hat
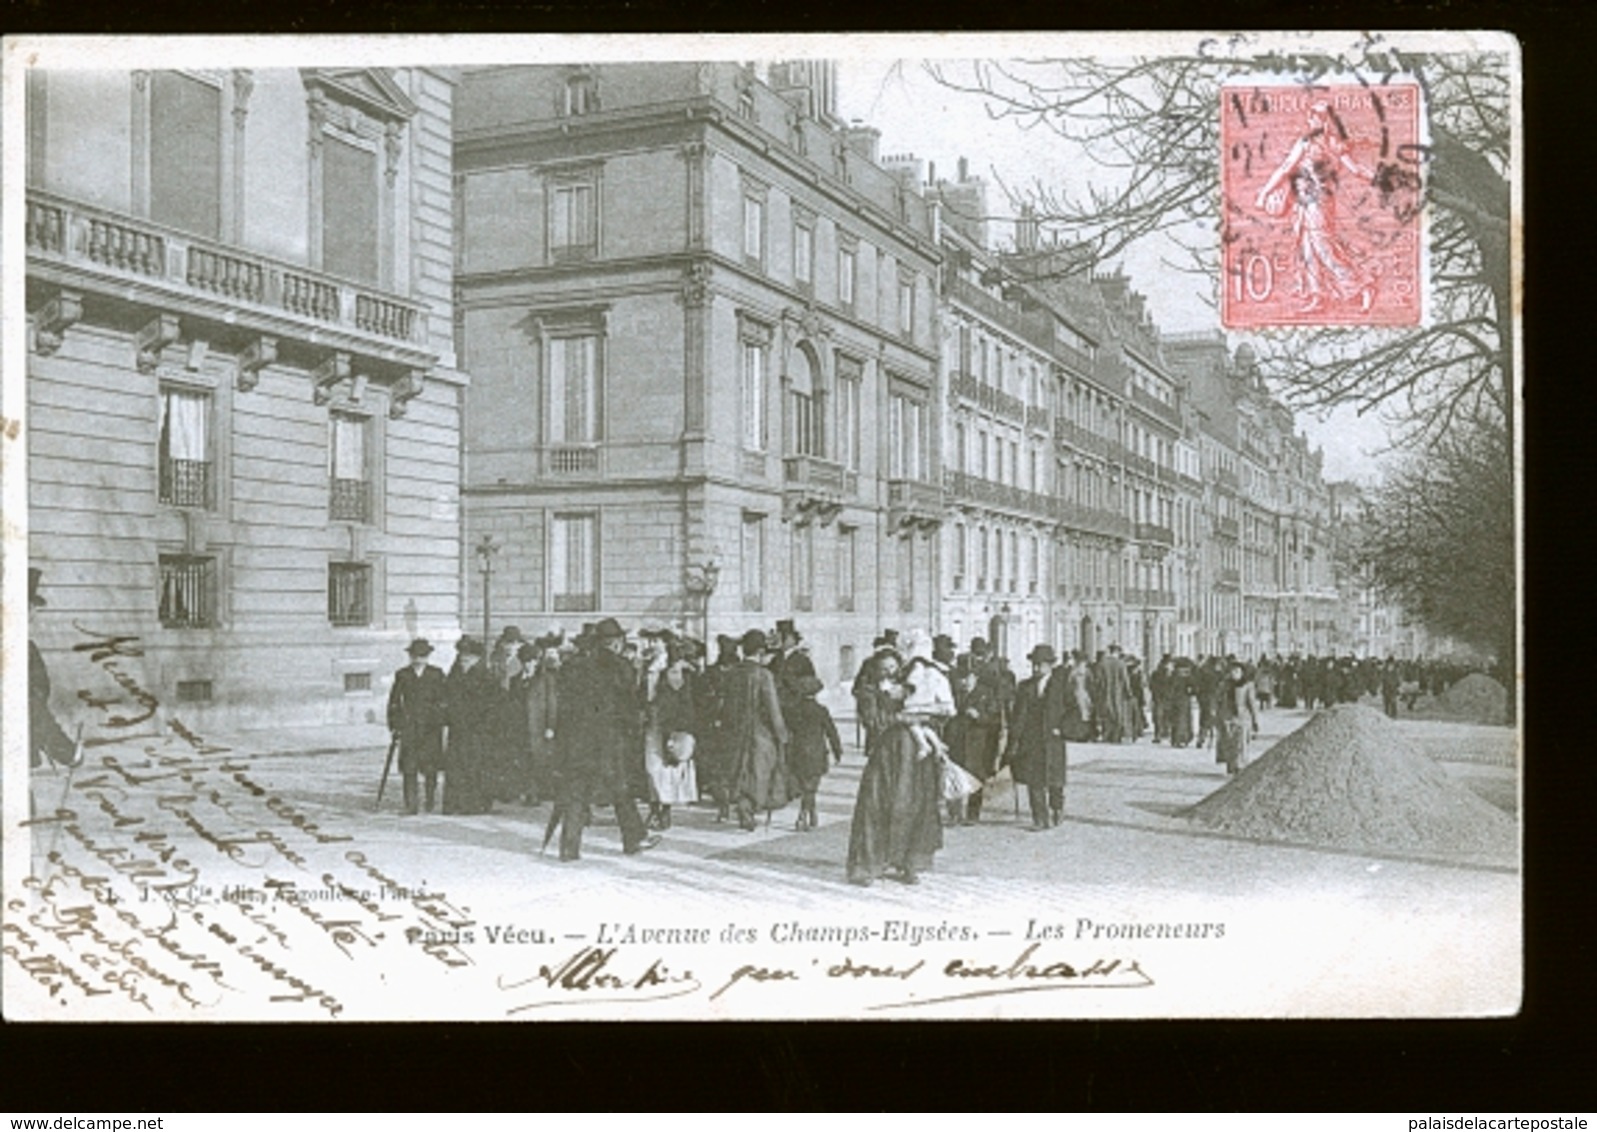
35	598
421	646
1043	654
469	646
609	629
978	645
943	641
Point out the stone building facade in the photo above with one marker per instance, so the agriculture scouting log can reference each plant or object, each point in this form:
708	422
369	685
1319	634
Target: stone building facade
242	399
699	315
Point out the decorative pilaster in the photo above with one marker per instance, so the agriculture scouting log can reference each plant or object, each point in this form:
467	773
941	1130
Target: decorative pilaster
696	295
243	87
694	156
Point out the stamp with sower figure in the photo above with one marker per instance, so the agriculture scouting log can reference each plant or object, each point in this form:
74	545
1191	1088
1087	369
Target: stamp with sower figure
1322	195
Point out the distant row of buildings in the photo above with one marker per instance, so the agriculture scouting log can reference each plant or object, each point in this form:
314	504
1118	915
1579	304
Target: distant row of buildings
324	359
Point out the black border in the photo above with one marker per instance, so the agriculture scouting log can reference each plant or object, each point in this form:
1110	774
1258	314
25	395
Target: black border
1538	1061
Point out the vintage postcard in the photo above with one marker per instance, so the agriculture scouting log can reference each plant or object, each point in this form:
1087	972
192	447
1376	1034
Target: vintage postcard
904	527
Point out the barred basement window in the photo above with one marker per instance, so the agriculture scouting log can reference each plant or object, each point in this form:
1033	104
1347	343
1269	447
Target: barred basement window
194	691
187	599
349	593
357	681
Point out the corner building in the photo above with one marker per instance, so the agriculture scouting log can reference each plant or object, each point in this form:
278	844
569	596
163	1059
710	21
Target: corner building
242	395
699	316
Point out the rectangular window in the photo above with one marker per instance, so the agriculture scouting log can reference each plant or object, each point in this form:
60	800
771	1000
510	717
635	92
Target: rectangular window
188	591
349	210
754	230
347	469
849	383
581	95
349	593
908	441
574	563
184	447
804	568
959	447
1014	562
804	415
847	545
847	263
961	555
1035	581
574	390
754	396
573	230
998	561
984	559
186	154
906	307
752	562
803	254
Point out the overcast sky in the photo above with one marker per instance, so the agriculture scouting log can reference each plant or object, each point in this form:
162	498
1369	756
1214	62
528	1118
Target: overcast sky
918	116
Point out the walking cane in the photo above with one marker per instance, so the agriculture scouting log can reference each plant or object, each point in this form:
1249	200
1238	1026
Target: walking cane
72	769
388	765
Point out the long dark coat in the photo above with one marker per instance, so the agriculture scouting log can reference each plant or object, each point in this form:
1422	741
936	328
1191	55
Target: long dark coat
418	712
1036	752
47	735
473	700
897	814
814	745
541	702
755	733
600	731
980	721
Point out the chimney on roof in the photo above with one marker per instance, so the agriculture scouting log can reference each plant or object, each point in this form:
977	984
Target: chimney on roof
1026	229
863	140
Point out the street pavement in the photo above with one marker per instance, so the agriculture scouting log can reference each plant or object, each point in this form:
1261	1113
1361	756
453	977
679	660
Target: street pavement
1214	926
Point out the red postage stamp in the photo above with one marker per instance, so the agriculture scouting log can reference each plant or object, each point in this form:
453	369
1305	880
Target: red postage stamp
1322	191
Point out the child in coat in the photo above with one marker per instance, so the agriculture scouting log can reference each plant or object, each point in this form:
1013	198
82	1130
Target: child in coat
814	739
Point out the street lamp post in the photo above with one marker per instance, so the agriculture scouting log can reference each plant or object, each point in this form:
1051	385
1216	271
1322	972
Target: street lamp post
486	549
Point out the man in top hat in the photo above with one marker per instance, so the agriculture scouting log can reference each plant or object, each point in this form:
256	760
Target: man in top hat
756	732
1036	751
599	732
473	697
48	738
418	712
790	665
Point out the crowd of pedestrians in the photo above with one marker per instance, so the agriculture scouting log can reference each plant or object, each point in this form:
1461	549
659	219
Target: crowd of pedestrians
606	720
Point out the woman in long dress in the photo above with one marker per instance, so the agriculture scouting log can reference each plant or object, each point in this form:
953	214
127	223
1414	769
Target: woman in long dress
897	826
669	745
1234	707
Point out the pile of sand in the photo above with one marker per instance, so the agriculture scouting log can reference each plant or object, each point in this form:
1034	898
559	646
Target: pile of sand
1477	698
1350	779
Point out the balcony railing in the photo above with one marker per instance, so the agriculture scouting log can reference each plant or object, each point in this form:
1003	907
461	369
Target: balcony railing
1226	528
1227	479
1148	402
1037	417
1140	464
821	475
988	397
75	234
1153	532
350	501
991	493
571	459
1071	433
186	483
1228	577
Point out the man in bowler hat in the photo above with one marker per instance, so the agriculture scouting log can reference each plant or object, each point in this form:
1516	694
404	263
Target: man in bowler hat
418	712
